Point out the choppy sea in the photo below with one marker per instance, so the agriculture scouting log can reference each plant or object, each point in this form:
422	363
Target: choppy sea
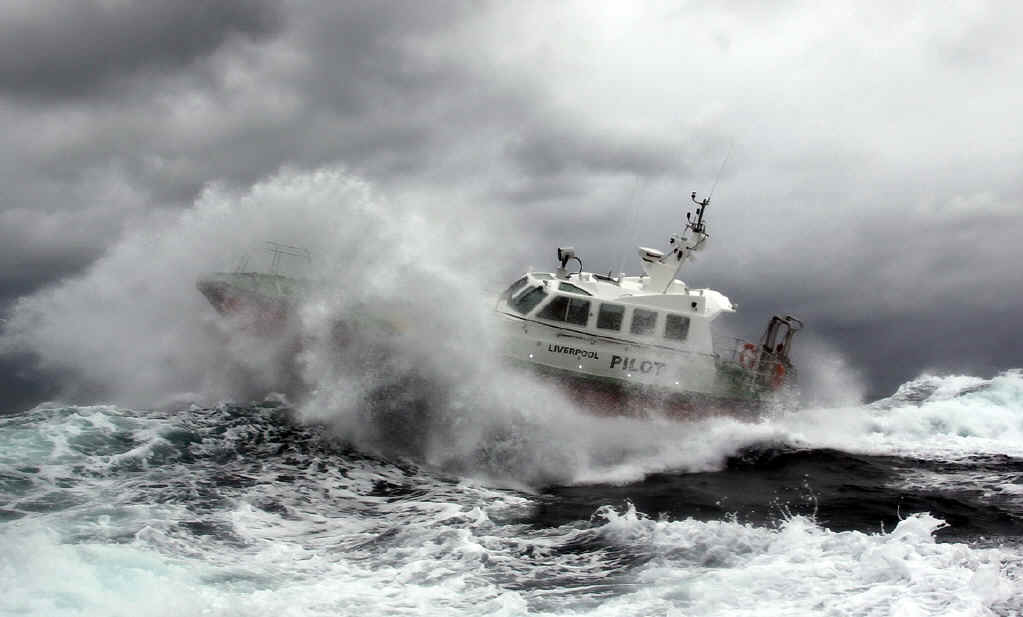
911	505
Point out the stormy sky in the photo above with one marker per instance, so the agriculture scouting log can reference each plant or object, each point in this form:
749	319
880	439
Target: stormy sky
873	181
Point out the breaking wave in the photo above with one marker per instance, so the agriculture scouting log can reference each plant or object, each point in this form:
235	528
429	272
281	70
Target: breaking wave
930	417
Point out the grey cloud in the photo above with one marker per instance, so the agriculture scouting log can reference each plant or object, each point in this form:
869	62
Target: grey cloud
556	151
558	158
539	190
72	174
21	387
897	294
986	38
58	49
373	61
39	246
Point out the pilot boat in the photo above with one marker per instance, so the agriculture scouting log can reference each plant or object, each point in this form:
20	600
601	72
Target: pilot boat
638	345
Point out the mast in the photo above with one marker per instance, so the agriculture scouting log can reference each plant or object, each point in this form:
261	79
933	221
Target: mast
661	269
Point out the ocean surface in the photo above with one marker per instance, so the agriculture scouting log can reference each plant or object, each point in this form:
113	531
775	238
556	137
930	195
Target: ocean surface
911	505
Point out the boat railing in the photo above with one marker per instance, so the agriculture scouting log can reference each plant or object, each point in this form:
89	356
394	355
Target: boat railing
283	251
728	348
759	365
282	259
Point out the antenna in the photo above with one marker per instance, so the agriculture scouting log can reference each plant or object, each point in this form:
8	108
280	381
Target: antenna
697	225
641	183
721	169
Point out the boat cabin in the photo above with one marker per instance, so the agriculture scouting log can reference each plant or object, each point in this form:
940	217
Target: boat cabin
622	309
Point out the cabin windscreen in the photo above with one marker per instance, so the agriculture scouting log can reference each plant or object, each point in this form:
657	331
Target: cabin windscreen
564	308
529	299
575	289
513	288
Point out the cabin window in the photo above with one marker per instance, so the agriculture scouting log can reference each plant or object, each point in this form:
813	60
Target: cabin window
578	311
543	276
575	289
525	302
643	321
676	327
564	308
610	316
514	287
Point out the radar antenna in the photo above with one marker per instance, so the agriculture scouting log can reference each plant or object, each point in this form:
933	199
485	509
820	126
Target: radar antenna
698	226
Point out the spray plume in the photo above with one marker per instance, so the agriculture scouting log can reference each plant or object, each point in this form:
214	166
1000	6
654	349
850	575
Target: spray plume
392	348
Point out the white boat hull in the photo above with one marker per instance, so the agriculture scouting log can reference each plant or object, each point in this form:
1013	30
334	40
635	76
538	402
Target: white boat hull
623	378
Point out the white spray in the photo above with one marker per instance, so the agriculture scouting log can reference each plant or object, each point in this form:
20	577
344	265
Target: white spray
418	371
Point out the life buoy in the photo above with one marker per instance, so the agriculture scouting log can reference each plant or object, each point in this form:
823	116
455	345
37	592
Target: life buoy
748	357
777	376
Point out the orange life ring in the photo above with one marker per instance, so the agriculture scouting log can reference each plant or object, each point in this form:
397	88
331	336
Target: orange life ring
748	361
778	376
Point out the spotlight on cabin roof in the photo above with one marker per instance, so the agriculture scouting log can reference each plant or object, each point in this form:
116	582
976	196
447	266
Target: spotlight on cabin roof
566	254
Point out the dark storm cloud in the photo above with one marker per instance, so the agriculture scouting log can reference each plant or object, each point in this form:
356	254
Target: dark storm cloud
555	151
374	63
54	50
342	85
559	160
20	387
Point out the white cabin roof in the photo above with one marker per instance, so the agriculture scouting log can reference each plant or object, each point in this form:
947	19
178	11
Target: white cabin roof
632	290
